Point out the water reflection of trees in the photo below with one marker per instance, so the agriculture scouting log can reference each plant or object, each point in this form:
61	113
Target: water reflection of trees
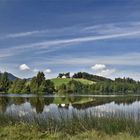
73	99
4	101
101	101
126	100
18	100
39	102
49	100
77	102
7	101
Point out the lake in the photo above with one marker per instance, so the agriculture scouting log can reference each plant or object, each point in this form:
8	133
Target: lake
99	106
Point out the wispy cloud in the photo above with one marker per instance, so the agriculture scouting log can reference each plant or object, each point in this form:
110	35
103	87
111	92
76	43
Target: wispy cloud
99	29
47	44
23	34
129	59
44	32
99	32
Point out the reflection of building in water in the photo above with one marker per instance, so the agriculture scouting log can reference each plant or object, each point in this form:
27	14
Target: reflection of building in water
63	105
70	106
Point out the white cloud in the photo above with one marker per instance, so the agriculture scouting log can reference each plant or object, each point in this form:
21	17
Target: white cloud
71	74
24	67
102	70
106	72
35	70
48	71
98	67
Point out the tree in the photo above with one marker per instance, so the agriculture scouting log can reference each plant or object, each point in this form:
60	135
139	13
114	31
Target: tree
5	82
26	89
50	86
39	85
18	86
91	77
34	85
40	78
67	75
62	89
60	75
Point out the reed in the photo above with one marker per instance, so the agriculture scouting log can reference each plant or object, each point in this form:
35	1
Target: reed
75	123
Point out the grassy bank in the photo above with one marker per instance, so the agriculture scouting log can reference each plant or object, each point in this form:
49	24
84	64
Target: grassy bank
23	131
72	127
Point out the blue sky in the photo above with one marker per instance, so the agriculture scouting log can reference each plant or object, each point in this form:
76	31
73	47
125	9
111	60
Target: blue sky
97	36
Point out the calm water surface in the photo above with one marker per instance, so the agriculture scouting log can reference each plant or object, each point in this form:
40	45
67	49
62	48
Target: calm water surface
22	106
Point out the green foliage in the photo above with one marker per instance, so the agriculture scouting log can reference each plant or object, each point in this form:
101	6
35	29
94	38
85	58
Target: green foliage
74	87
68	126
46	86
40	78
120	86
39	85
22	131
26	89
34	85
4	82
62	89
59	81
91	77
81	83
67	75
49	87
18	86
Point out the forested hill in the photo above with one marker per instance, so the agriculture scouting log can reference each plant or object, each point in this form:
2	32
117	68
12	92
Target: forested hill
90	77
80	83
10	76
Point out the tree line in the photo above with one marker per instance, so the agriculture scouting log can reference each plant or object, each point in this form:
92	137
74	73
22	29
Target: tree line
39	85
101	85
107	86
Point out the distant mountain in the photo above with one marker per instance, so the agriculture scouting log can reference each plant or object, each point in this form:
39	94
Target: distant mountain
11	76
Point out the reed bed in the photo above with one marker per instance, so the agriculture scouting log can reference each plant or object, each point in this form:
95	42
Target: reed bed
75	123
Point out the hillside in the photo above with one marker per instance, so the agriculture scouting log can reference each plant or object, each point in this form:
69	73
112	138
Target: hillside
90	77
60	81
10	76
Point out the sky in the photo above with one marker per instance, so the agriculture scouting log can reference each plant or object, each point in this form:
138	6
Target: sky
101	37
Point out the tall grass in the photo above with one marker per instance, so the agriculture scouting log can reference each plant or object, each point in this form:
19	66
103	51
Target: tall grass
75	123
